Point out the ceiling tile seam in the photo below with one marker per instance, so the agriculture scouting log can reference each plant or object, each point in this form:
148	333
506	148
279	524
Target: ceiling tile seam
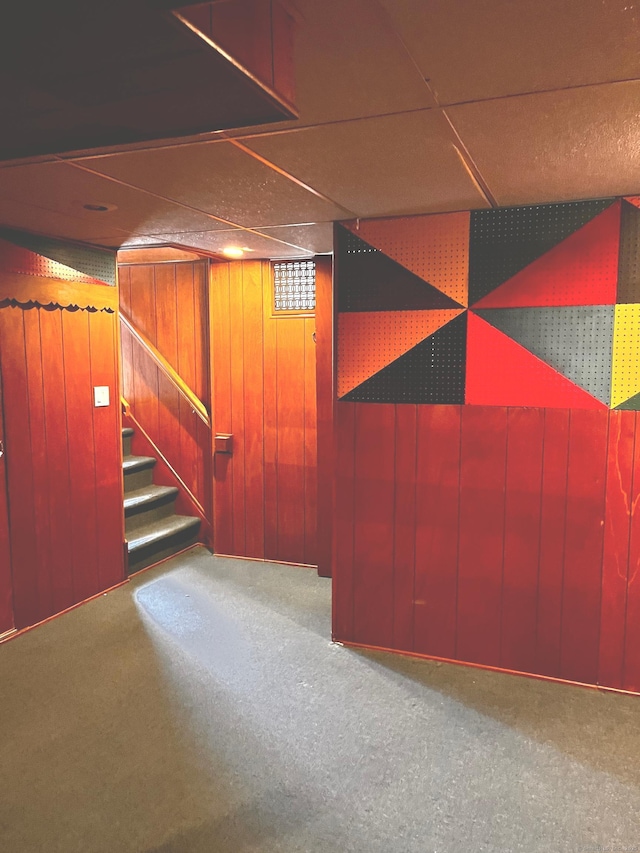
467	160
551	91
211	216
265	162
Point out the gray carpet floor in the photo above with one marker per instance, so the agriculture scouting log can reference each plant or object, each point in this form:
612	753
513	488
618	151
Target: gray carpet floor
203	709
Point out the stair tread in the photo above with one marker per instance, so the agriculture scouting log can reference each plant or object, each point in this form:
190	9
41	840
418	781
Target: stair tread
147	496
127	431
162	529
137	463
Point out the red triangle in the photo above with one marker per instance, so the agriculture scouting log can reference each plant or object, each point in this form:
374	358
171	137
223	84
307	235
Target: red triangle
581	270
500	372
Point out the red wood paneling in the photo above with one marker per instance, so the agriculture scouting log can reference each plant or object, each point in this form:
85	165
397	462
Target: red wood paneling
482	503
521	539
631	665
221	373
64	486
343	523
6	583
264	373
167	418
373	523
324	418
404	521
437	519
167	302
582	578
552	530
615	564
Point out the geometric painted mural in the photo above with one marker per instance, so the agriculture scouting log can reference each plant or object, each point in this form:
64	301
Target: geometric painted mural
530	306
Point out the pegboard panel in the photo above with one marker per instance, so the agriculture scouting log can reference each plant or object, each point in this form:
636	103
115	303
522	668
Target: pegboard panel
431	372
575	341
501	372
98	264
504	241
15	259
294	287
629	268
625	372
371	340
581	270
434	247
370	281
633	199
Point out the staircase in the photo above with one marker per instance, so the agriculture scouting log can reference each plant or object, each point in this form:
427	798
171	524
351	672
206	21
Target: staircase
152	528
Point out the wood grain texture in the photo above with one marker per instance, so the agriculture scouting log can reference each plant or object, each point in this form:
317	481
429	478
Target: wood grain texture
483	448
63	458
168	303
264	394
6	582
631	665
437	527
584	539
404	521
324	324
373	523
343	523
615	563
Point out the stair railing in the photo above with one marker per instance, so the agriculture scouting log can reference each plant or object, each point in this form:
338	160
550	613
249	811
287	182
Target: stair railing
192	399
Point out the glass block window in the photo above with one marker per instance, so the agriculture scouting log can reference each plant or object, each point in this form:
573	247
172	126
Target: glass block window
294	287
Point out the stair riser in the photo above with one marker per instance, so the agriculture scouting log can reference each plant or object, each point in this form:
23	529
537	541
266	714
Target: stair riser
138	479
154	513
126	445
146	557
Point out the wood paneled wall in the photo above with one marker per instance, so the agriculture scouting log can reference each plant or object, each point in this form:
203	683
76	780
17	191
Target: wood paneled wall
167	418
167	302
6	583
63	457
505	537
264	390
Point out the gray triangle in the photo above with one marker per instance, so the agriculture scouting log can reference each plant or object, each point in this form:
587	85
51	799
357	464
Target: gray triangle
577	341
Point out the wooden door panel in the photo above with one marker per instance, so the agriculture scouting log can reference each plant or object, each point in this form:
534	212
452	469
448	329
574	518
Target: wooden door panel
6	587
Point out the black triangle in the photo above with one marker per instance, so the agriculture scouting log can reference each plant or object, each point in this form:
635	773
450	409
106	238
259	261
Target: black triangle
431	372
506	240
629	258
368	280
89	260
630	405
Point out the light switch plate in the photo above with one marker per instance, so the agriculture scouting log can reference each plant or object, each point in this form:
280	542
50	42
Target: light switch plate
101	395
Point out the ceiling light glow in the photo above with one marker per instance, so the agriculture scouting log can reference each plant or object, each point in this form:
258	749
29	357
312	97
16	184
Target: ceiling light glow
233	252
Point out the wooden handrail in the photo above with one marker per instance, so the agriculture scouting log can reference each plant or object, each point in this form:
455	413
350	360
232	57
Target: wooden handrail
194	401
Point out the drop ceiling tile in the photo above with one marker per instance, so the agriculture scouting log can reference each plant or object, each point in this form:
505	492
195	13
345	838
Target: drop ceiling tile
63	189
257	245
26	217
316	237
219	178
348	64
498	47
556	146
382	166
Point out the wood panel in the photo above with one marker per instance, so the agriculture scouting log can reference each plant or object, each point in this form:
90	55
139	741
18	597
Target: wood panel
63	457
168	419
483	450
324	321
505	537
6	582
437	516
264	381
167	302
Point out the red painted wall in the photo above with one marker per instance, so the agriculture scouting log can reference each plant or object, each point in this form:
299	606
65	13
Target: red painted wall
506	537
264	390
